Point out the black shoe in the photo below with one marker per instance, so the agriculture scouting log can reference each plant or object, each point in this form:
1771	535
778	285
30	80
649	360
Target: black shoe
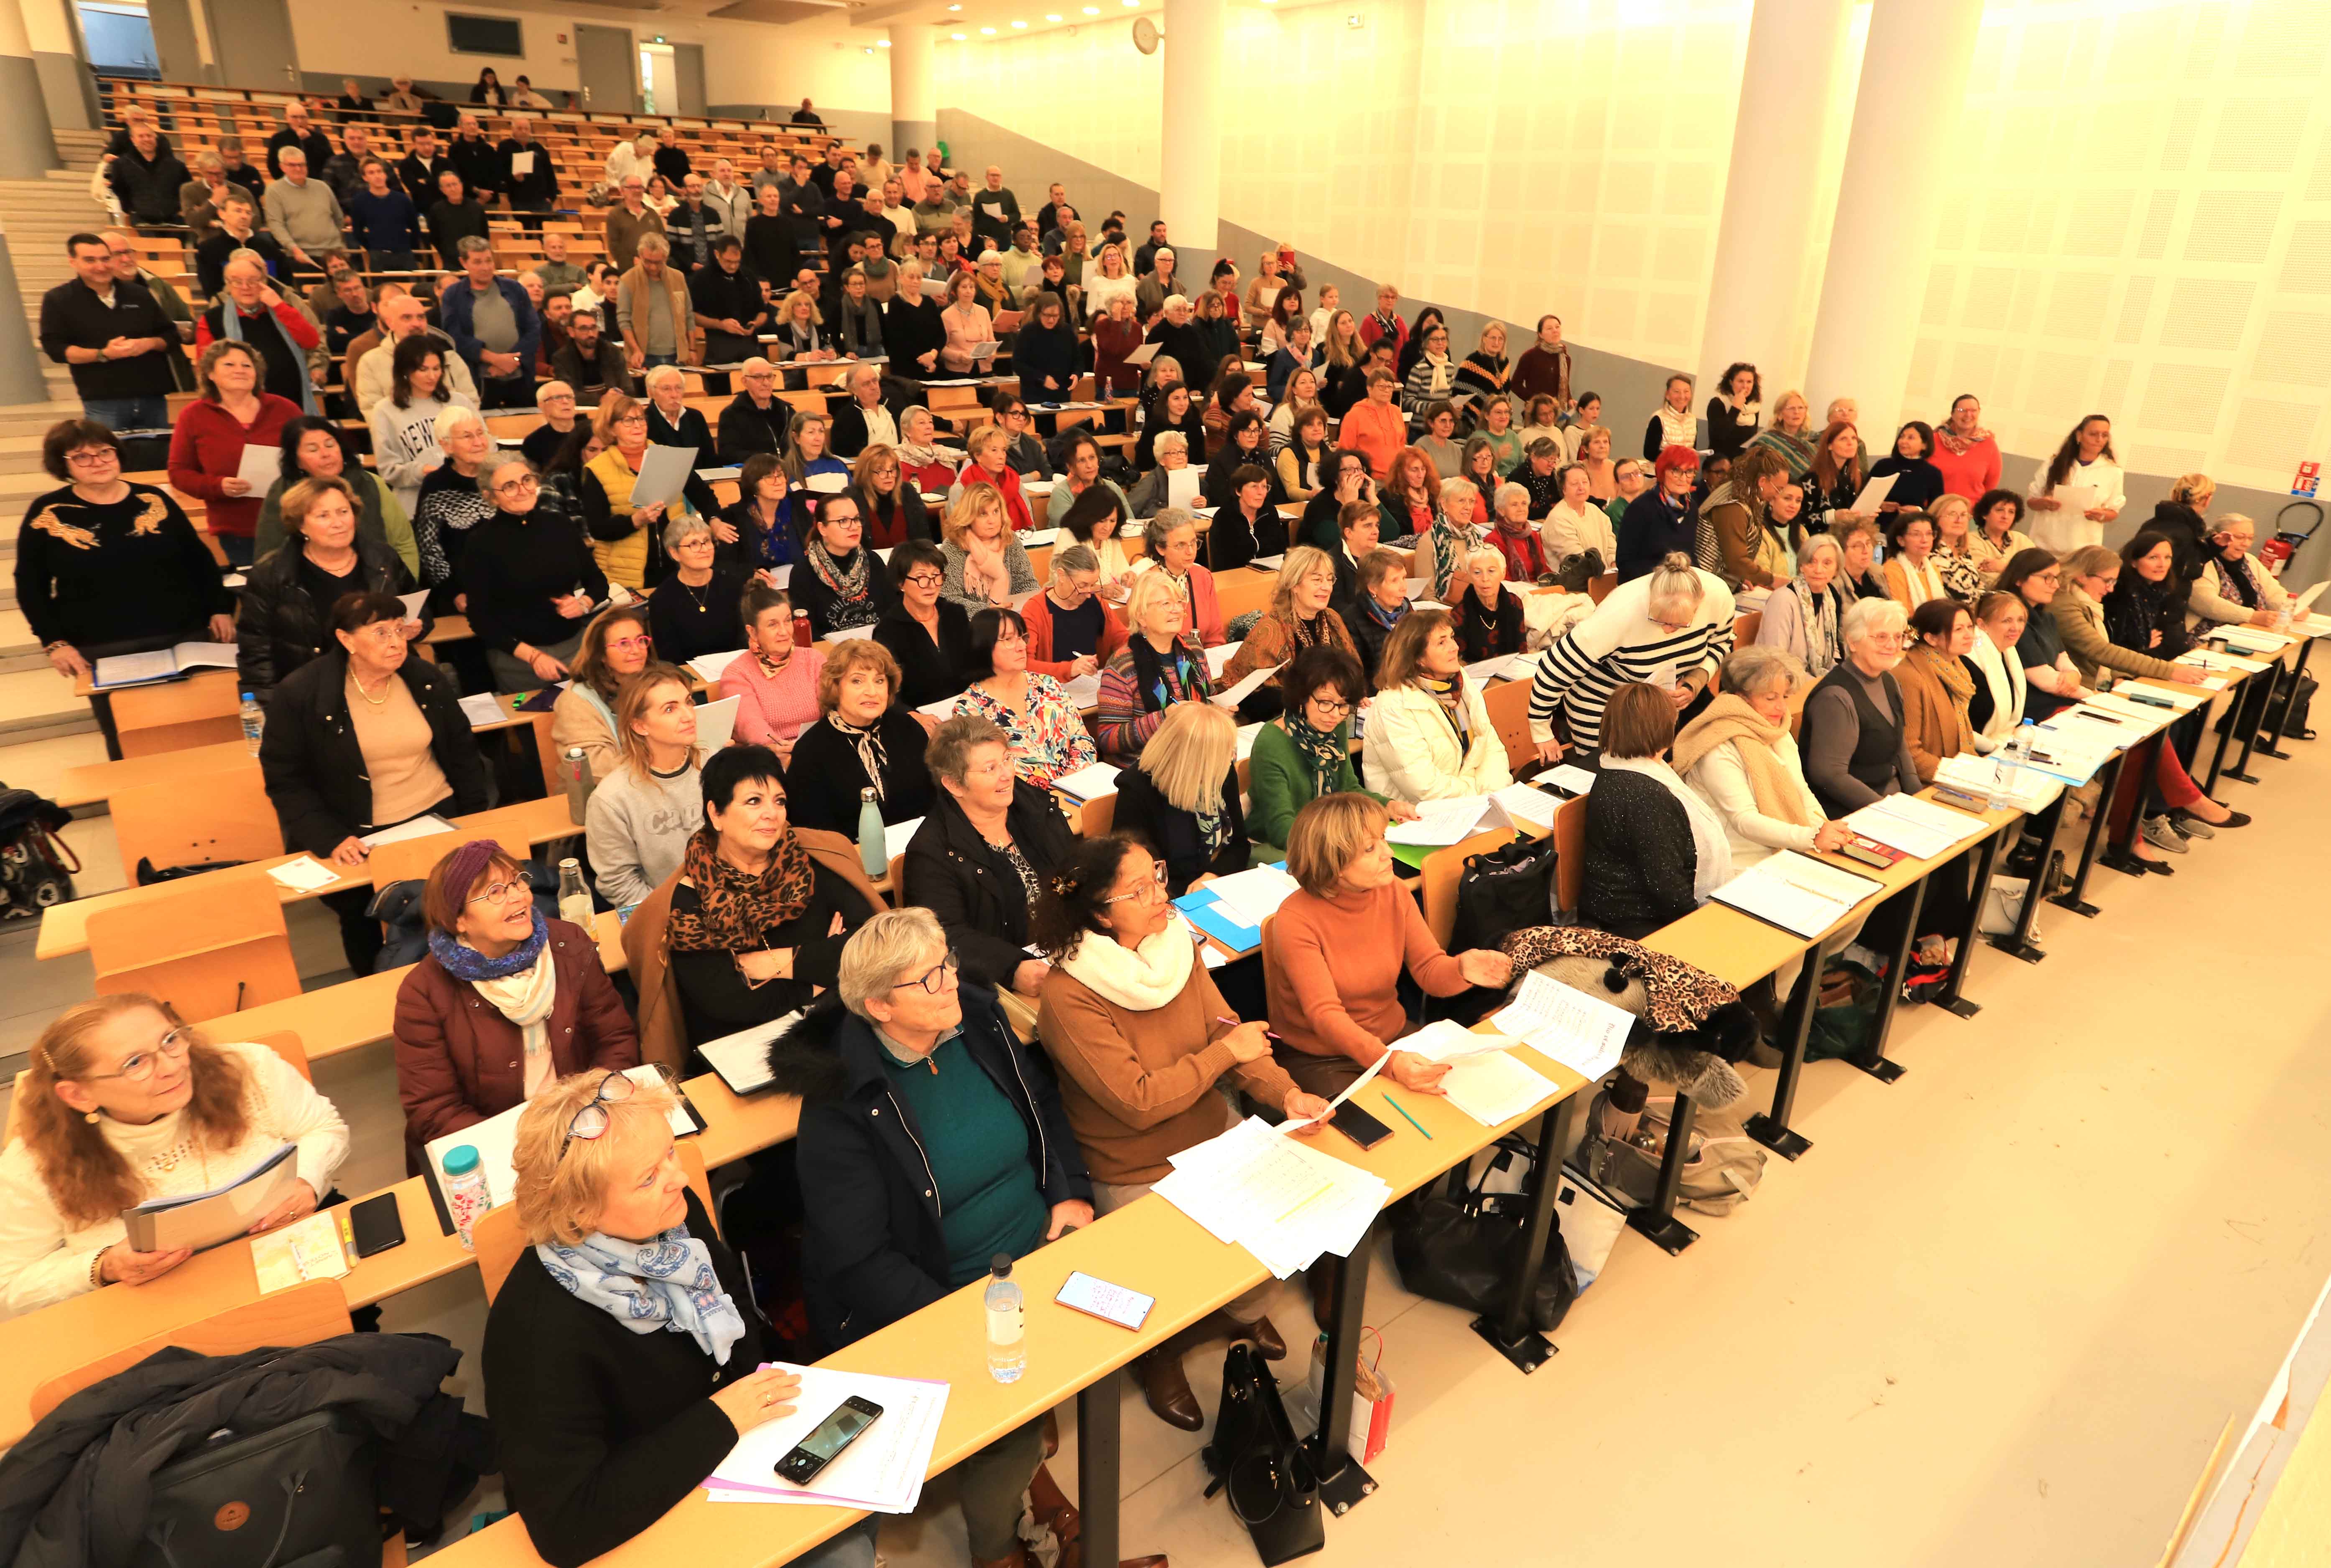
2159	867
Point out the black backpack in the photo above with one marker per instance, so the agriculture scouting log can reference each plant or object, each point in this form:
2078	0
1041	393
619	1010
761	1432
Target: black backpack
1501	892
302	1495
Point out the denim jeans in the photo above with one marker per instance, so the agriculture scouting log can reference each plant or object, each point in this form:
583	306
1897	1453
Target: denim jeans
655	359
150	412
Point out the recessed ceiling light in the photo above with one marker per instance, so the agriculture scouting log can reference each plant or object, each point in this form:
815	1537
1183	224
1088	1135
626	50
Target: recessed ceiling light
1018	24
988	32
957	36
1052	16
881	43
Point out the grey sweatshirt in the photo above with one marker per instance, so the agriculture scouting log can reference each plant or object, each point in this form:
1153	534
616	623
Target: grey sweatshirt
637	828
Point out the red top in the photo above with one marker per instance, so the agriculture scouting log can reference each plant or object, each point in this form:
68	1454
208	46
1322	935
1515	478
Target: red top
1016	506
1969	474
1373	326
1037	613
206	449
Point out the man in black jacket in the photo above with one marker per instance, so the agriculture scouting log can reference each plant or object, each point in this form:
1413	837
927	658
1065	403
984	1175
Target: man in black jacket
727	298
455	216
344	170
532	195
146	175
114	335
995	212
296	131
590	362
480	165
417	170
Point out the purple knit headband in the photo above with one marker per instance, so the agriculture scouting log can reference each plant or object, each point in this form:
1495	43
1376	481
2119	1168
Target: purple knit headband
464	864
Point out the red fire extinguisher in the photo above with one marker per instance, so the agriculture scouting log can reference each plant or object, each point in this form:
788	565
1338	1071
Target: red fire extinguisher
2287	537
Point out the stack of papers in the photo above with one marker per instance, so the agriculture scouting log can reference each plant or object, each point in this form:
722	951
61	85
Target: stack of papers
1084	692
305	1249
1494	1089
1252	895
220	1214
305	875
1504	667
1585	1033
1799	894
711	666
1089	783
162	664
2250	638
1439	822
1238	693
882	1472
1219	659
419	827
1282	1199
2206	658
2033	792
1522	806
1914	826
716	722
1569	778
742	1059
2073	756
2139	718
482	708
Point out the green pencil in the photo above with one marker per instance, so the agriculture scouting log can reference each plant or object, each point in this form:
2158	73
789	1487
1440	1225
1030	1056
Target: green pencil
1403	1116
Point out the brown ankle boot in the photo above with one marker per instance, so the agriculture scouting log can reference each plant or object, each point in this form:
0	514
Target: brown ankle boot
1260	1334
1325	1274
1050	1507
1167	1389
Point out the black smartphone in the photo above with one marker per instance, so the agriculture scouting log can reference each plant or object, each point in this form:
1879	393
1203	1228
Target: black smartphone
1358	1126
375	1224
836	1433
1853	852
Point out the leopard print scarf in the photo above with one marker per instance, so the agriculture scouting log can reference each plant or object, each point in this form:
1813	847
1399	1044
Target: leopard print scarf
1679	996
739	909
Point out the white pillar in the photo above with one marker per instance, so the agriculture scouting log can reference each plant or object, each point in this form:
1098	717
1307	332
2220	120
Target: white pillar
914	91
1190	139
1796	51
27	150
1914	73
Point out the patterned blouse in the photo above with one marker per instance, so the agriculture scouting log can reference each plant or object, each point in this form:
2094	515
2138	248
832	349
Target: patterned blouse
1051	741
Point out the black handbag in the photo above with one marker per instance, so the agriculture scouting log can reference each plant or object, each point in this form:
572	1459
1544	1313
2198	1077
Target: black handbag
1258	1463
302	1495
1465	1248
1502	890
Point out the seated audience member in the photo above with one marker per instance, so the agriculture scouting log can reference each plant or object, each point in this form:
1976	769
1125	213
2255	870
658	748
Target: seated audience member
363	738
693	611
981	1162
528	578
927	635
930	466
1143	1042
1154	491
1161	664
775	679
1375	425
1245	447
842	584
986	564
753	923
1306	751
1800	617
867	739
623	536
1995	540
1997	707
1861	577
105	565
1516	538
288	598
756	419
1247	524
639	820
1661	521
1912	573
1672	626
1442	548
670	422
1182	797
1489	618
1429	734
890	509
1357	526
615	645
590	364
1093	521
451	502
1377	607
1071	629
1954	560
985	853
405	423
2235	588
1917	482
1334	957
1654	849
603	1429
1856	750
1174	543
1936	685
550	1009
989	466
123	1104
206	446
2053	680
1345	483
314	448
762	516
1048	736
1298	618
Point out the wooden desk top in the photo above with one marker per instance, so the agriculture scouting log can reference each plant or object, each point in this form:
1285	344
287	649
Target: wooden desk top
99	781
64	927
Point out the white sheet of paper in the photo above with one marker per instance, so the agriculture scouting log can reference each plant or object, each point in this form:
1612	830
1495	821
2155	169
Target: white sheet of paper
850	634
304	875
742	1059
413	604
882	1472
481	708
418	828
1254	895
1520	805
1497	1086
712	666
1583	1032
261	467
1219	659
1182	486
664	472
944	708
1439	822
1083	691
1501	667
826	484
1247	732
1874	493
521	165
1143	355
1238	693
1445	1040
1089	783
993	209
897	835
716	722
1568	777
2075	500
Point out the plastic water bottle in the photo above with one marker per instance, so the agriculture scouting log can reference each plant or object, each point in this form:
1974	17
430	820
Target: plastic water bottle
254	722
871	853
573	898
1007	1322
466	1197
2007	766
574	770
2282	617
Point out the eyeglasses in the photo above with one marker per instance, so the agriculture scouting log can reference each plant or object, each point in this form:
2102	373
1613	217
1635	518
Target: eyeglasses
517	486
93	457
499	892
924	579
591	1123
625	644
934	979
1150	892
139	1068
1334	705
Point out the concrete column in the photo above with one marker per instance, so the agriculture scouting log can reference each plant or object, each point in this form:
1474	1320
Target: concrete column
61	55
1797	53
914	90
27	150
1914	74
22	378
1190	139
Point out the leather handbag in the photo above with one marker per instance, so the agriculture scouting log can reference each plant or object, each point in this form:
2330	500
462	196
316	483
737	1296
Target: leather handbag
1260	1467
1501	892
301	1494
1465	1248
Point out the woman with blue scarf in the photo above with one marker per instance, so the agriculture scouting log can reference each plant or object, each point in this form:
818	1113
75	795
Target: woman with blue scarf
623	1354
506	1003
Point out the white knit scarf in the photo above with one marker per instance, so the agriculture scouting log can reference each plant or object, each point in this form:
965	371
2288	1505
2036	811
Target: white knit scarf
1140	979
526	998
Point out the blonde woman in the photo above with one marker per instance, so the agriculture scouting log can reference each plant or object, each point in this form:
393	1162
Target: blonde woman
1791	433
1162	664
616	645
969	327
1954	560
1109	280
985	566
641	816
1183	796
1429	734
1298	618
623	536
801	330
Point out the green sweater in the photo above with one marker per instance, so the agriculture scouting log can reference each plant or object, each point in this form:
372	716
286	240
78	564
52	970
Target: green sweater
378	517
1280	783
978	1149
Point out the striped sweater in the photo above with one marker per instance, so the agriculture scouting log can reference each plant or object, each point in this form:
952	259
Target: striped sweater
1619	643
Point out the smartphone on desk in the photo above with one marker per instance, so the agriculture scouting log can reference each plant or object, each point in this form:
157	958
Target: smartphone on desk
1863	853
1358	1126
374	1224
1081	1292
823	1445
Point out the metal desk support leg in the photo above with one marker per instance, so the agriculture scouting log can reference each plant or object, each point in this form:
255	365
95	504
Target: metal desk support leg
1342	1482
1098	1481
2020	944
2074	898
1658	1221
1772	1128
1952	999
1509	1332
2289	702
1890	995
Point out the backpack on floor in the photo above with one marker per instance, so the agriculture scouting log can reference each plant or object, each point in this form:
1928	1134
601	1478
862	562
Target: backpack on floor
1720	1171
295	1494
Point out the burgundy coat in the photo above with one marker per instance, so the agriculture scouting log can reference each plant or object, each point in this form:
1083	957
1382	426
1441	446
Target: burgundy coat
459	1060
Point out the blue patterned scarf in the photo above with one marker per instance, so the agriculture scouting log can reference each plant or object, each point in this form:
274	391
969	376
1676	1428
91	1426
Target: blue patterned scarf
466	963
667	1283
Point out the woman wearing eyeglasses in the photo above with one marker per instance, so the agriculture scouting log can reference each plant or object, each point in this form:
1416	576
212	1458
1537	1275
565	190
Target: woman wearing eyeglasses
548	1008
122	1104
1142	1039
929	1143
623	1352
753	923
530	579
1306	751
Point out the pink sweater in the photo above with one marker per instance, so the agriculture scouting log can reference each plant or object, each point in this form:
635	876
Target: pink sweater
775	709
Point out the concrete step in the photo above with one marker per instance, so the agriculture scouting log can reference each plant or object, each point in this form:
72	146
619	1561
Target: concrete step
38	705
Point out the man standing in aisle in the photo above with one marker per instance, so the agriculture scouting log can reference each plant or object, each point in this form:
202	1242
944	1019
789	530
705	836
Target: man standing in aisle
114	337
996	212
494	328
302	214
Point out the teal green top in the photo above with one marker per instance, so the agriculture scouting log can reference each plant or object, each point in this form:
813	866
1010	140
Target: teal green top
1509	448
1278	784
978	1149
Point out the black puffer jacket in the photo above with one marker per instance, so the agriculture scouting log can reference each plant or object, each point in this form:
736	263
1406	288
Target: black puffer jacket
281	627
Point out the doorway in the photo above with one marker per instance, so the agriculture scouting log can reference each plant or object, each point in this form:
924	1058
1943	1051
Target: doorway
606	69
659	80
251	42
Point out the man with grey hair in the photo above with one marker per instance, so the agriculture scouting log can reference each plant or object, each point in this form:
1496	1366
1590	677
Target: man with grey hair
401	316
302	214
494	326
630	219
534	193
652	308
731	201
862	421
296	130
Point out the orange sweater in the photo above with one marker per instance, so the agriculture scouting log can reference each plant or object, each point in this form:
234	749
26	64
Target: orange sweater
1377	429
1340	1000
